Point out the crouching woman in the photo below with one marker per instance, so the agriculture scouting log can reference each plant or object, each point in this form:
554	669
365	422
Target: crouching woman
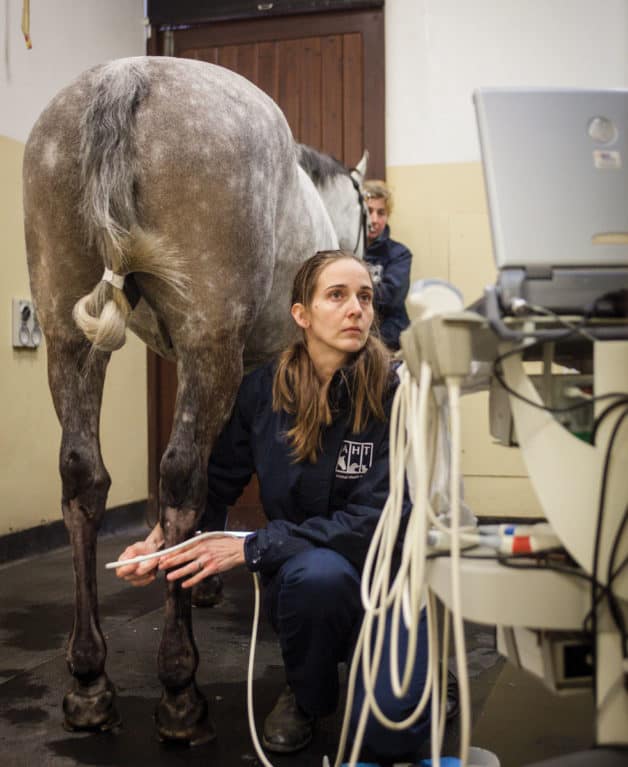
314	427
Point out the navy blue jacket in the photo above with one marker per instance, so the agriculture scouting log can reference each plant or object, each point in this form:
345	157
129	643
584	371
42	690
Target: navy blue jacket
391	261
334	503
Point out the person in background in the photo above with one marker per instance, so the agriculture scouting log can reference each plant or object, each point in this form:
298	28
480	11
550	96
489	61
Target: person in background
314	426
390	263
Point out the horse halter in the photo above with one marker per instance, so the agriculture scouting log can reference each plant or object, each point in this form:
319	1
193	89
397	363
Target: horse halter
363	216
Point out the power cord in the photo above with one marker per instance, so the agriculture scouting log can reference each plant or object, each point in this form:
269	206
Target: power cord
498	373
616	611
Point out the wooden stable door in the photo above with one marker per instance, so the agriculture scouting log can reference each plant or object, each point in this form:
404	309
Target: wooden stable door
326	72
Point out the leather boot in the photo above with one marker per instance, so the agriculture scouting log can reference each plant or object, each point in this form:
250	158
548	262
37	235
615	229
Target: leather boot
208	593
287	728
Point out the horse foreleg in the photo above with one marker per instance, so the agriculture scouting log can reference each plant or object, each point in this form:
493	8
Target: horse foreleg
76	385
206	388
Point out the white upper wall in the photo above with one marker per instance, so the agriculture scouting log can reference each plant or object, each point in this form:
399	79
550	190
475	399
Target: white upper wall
68	36
439	51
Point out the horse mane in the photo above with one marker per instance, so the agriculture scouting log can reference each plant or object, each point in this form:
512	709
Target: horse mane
320	167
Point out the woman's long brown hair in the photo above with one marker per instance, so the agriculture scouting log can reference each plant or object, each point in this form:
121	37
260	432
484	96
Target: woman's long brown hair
297	389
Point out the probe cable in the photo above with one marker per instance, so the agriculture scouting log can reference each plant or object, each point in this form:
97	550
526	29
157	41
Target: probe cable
199	536
249	677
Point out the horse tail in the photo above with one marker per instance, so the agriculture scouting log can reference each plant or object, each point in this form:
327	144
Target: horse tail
109	169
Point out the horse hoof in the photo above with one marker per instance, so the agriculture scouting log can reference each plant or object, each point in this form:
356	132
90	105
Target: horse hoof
113	724
202	733
183	717
91	706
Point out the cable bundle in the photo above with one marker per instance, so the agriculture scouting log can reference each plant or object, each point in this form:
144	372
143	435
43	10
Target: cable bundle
403	594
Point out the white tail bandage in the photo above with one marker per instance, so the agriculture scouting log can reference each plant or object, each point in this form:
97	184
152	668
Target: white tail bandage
117	280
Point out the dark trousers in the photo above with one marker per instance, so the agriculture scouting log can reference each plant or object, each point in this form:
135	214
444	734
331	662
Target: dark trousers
314	605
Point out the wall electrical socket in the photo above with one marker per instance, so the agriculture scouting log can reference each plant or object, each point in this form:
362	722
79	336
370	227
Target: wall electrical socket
26	331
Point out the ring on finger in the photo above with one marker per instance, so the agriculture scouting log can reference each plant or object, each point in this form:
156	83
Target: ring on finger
200	565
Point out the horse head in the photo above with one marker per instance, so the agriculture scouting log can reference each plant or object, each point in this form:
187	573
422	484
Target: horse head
340	189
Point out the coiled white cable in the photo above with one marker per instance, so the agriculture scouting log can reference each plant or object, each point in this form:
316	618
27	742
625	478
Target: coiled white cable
412	447
405	595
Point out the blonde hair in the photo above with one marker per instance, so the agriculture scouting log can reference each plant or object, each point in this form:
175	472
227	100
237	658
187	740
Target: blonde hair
376	189
297	389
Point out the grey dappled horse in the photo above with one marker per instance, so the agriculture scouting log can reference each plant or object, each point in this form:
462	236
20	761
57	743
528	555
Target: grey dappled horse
183	177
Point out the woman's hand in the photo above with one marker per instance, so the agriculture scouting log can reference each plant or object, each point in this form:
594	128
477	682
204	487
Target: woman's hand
207	557
141	573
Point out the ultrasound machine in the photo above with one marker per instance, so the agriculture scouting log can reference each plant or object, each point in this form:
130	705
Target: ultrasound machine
556	174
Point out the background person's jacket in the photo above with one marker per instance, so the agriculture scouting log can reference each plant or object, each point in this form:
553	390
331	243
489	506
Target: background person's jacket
334	503
390	261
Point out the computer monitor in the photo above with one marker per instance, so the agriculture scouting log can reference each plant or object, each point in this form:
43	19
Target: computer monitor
556	172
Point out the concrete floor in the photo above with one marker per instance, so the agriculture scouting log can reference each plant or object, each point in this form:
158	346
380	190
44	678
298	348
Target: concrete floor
514	716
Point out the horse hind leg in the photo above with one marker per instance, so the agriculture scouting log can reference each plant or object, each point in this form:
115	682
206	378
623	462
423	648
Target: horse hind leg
76	384
207	386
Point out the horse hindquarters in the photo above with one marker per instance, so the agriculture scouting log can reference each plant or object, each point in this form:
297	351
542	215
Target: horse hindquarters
96	183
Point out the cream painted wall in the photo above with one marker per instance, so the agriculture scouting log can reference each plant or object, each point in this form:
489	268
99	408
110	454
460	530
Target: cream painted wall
450	239
30	436
68	36
437	52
